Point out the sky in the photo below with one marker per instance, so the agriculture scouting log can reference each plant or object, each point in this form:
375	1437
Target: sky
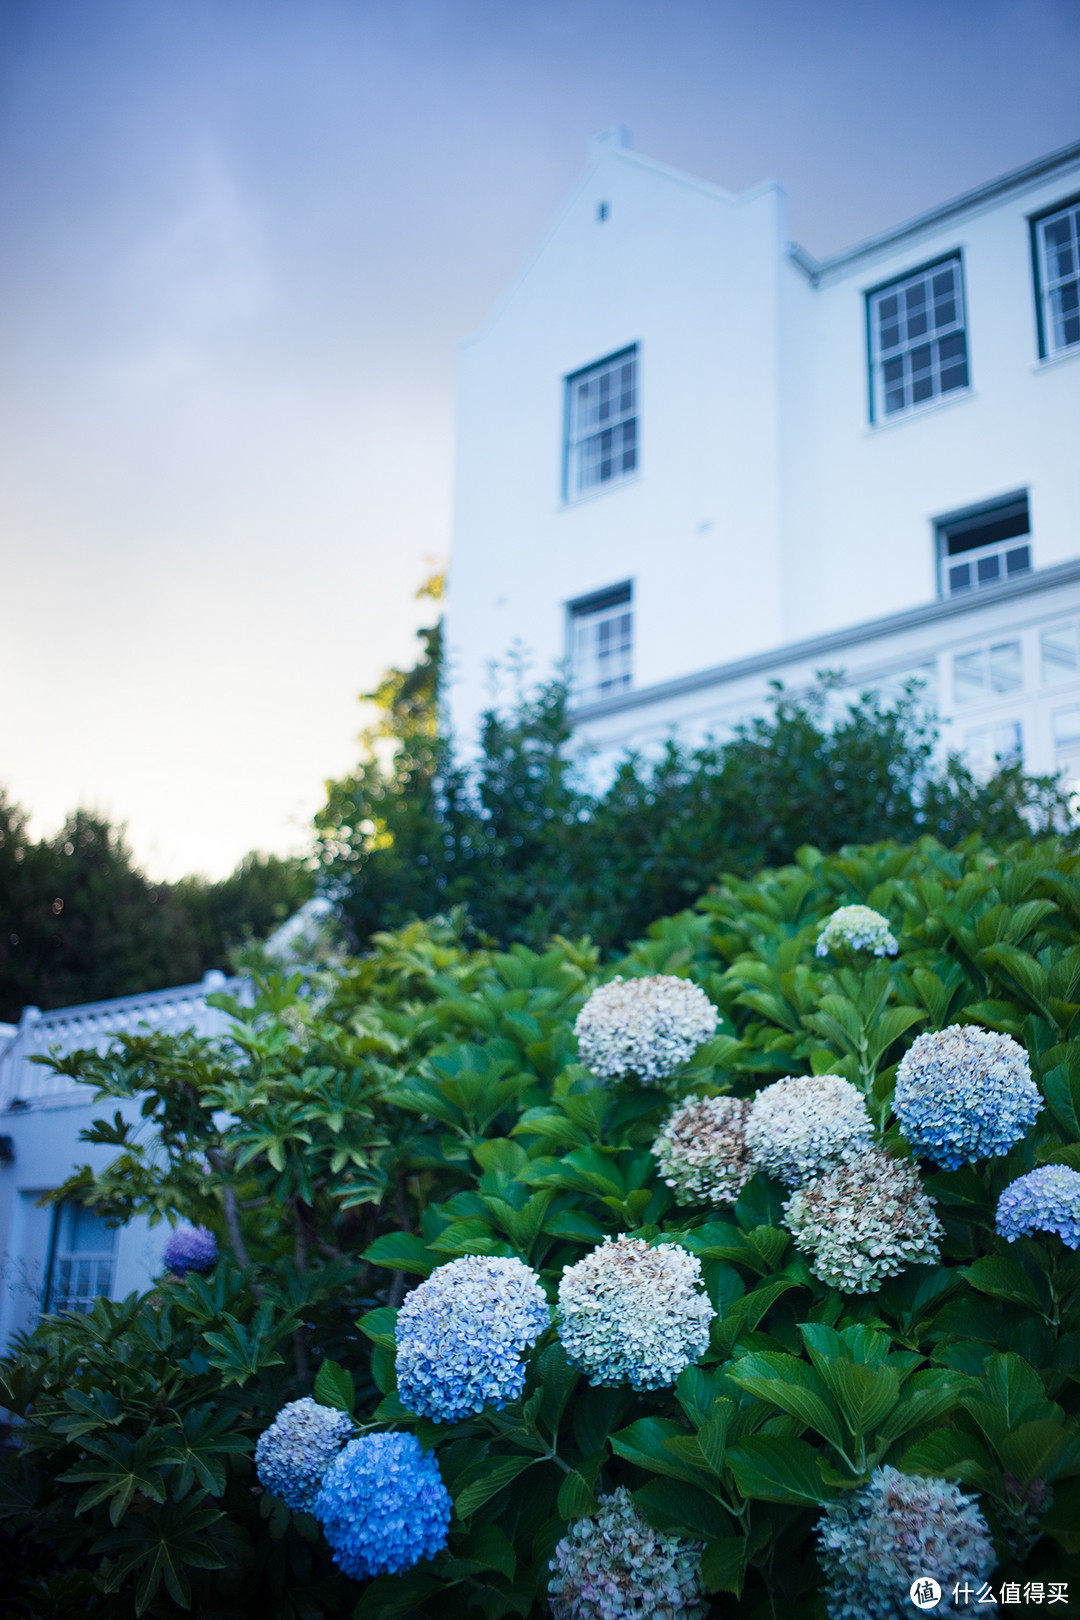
240	241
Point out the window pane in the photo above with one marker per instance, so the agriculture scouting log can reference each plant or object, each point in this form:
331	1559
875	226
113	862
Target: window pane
960	578
602	428
1058	649
1018	561
912	369
969	677
1006	671
988	569
1067	728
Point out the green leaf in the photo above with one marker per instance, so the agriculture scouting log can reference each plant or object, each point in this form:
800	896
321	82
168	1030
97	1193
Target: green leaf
723	1564
401	1251
645	1443
380	1326
768	1468
576	1499
669	1504
495	1478
791	1385
866	1394
1003	1277
335	1387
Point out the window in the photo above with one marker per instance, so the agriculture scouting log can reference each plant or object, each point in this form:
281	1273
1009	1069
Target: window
601	423
1059	653
601	643
918	347
1057	271
1067	745
992	747
984	545
81	1261
987	672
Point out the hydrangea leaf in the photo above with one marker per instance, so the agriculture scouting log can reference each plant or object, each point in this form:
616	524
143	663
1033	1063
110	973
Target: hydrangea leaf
334	1386
769	1468
723	1564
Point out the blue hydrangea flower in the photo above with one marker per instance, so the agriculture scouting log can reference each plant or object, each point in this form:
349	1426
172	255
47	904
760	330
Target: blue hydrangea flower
964	1094
383	1505
461	1334
293	1454
190	1248
860	929
1045	1200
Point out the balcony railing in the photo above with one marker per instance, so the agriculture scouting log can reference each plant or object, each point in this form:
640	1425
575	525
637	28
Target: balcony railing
985	565
94	1024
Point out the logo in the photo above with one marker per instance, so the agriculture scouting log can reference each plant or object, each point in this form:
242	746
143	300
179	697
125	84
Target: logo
925	1593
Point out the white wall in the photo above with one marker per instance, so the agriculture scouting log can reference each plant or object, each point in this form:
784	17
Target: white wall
766	509
691	275
875	489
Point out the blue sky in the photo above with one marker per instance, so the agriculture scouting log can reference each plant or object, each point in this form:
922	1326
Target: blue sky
241	241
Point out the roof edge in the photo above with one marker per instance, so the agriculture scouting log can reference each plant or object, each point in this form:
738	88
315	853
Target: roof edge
1012	181
794	652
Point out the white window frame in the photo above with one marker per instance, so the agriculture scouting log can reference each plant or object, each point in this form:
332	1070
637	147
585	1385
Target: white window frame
909	345
600	644
1048	287
602	434
75	1277
993	564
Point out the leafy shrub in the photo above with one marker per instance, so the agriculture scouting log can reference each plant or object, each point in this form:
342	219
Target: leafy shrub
426	1104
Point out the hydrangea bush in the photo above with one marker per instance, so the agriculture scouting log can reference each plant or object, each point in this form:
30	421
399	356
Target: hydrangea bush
293	1454
646	1027
460	1336
189	1248
803	1125
383	1505
631	1314
614	1565
863	1222
701	1149
859	929
497	1327
965	1094
899	1529
1045	1200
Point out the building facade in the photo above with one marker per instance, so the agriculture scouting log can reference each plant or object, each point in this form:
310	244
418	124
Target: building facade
56	1257
693	460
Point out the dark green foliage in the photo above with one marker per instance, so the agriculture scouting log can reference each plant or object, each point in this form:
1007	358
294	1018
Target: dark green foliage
80	922
425	1102
531	849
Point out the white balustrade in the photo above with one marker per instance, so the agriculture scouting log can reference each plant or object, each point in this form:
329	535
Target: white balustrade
94	1024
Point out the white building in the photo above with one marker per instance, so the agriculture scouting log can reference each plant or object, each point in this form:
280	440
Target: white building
692	460
62	1256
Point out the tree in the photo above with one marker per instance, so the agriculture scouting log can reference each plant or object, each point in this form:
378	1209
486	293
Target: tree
521	839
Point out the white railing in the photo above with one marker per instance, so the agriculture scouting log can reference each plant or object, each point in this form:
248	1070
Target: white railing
995	564
94	1024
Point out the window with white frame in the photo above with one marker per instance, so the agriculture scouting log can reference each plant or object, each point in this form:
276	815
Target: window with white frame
987	672
984	545
1059	652
1057	259
602	439
1067	744
918	342
81	1261
600	631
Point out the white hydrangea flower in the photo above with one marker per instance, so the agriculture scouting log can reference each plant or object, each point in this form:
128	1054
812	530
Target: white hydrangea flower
615	1566
701	1149
798	1127
860	929
875	1542
631	1314
863	1222
645	1027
